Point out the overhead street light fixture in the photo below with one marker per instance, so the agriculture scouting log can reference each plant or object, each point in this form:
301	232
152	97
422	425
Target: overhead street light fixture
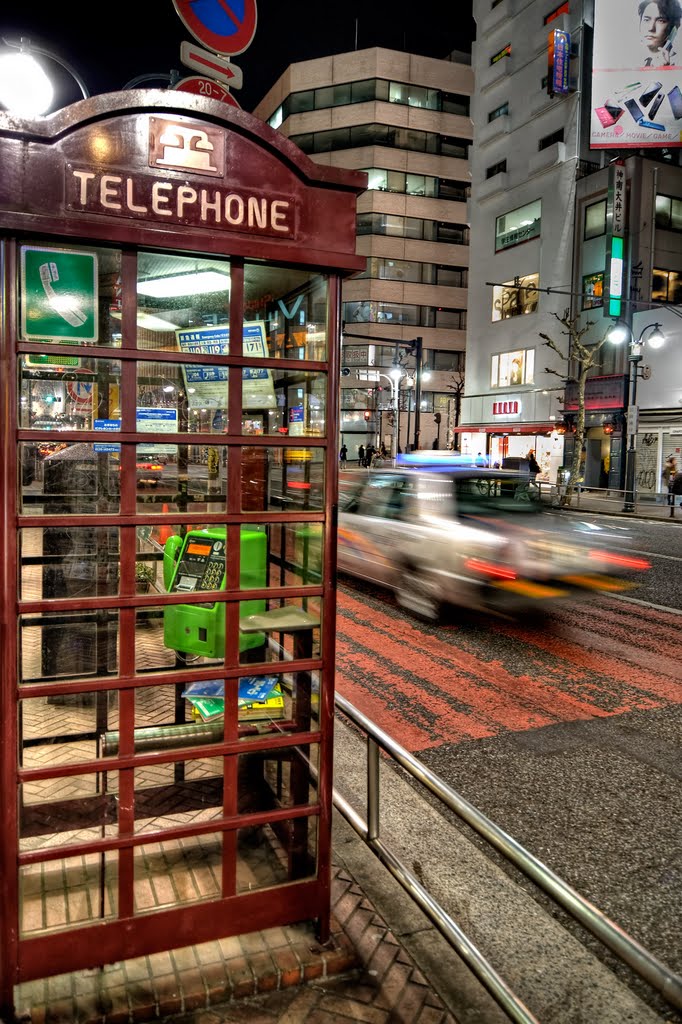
619	333
25	87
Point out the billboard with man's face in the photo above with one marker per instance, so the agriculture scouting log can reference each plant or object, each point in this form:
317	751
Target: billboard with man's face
637	74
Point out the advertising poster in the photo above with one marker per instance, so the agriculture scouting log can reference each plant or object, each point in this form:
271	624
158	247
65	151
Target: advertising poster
637	74
207	385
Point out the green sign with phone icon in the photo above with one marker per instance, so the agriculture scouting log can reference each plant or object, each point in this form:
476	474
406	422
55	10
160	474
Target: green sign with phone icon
58	295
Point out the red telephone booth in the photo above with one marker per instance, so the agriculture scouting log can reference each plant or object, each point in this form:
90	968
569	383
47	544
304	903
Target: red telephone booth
171	272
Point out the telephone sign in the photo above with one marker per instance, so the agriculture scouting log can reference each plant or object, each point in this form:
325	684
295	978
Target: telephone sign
58	294
225	26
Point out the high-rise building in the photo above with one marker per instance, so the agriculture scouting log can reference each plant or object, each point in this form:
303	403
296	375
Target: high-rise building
542	217
404	119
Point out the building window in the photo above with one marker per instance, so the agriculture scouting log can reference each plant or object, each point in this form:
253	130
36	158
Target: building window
369	89
509	369
452	277
413	95
360	135
404	227
549	140
455	234
451	319
276	119
381	313
453	103
499	168
443	359
666	286
517	226
593	290
457	190
556	13
500	111
515	298
595	219
398	181
501	54
394	270
669	213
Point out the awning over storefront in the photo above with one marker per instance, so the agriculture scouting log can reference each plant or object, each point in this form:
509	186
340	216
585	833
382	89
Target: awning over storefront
507	428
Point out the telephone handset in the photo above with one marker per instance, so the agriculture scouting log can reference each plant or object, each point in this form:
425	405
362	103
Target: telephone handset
62	304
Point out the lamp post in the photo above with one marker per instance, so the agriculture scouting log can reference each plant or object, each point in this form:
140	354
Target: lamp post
394	406
619	333
409	385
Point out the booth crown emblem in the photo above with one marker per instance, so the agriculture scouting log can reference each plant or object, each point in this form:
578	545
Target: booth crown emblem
186	147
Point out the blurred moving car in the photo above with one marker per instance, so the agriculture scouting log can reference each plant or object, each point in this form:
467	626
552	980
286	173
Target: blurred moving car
443	534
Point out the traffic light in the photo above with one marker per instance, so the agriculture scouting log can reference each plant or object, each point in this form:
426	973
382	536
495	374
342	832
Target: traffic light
436	418
367	414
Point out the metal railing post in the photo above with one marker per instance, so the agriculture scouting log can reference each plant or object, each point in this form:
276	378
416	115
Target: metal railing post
373	795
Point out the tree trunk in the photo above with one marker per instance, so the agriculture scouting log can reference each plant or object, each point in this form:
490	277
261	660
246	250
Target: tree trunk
579	441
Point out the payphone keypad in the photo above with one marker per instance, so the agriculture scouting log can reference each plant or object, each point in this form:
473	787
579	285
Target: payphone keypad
202	566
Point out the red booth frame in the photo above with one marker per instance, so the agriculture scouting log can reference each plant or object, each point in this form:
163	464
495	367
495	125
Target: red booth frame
37	159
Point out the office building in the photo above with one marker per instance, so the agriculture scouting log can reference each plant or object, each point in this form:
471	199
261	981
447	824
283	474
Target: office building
404	119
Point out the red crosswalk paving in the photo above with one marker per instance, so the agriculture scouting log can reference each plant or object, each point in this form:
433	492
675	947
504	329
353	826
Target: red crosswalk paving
477	678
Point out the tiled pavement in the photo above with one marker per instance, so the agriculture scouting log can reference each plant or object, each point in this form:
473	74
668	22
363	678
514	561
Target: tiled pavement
364	973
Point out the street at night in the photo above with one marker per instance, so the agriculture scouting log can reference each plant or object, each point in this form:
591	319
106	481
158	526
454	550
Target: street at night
561	730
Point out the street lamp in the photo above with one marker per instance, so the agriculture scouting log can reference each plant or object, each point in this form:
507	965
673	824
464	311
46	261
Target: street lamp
25	87
619	333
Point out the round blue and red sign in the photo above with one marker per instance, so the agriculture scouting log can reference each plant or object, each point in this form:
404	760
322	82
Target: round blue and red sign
224	26
207	87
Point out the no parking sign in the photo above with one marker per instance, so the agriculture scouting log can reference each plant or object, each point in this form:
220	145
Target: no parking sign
225	26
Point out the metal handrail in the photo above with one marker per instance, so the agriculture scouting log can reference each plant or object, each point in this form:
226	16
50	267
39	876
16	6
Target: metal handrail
642	962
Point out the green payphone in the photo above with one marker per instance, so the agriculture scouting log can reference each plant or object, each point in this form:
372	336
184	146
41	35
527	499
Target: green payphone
196	562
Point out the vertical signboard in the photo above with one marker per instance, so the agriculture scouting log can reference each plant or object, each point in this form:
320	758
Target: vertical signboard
617	216
636	75
558	61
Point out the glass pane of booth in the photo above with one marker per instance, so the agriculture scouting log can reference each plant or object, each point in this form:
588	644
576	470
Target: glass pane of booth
283	479
177	871
181	478
68	644
73	478
68	561
293	306
287	402
66	728
178	296
57	894
58	397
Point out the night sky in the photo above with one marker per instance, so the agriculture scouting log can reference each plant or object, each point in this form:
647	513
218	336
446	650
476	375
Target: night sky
123	39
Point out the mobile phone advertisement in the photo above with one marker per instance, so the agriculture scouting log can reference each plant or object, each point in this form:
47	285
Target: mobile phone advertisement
637	74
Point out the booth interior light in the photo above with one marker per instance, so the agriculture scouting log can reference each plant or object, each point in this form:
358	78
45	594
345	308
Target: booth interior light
201	282
149	321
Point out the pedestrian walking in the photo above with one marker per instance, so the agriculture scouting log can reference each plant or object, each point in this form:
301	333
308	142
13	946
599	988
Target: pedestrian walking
533	466
343	456
668	476
361	455
369	452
